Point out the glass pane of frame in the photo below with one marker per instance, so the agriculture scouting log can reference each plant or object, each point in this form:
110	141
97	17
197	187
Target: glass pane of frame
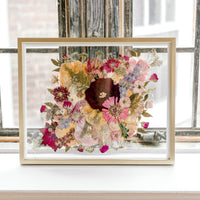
97	102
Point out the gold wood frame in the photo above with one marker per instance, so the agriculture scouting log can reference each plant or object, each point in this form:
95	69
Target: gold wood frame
171	42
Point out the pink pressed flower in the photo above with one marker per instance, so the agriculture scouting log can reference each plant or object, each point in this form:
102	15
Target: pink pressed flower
138	87
54	79
146	125
126	58
112	111
131	133
138	111
144	65
84	139
154	77
80	149
110	65
116	136
149	104
64	56
104	148
132	64
125	102
43	108
67	104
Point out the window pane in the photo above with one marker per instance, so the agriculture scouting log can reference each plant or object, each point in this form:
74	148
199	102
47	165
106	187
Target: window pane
154	11
138	10
170	10
184	81
166	18
32	18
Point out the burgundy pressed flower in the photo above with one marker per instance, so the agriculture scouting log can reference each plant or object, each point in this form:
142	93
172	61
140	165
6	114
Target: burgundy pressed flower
104	148
80	149
43	108
110	65
100	90
60	94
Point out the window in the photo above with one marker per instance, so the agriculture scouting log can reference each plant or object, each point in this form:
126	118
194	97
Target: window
69	18
20	19
168	19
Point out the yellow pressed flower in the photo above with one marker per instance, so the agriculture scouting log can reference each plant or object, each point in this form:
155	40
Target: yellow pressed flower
93	116
76	67
65	78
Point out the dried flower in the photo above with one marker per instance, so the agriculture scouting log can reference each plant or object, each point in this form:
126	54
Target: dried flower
146	125
154	77
110	65
113	111
60	94
43	108
116	135
99	91
104	148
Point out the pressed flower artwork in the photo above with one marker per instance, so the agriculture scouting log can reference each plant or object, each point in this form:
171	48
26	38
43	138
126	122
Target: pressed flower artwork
103	101
97	103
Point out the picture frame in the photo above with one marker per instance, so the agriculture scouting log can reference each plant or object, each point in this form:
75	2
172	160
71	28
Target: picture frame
139	154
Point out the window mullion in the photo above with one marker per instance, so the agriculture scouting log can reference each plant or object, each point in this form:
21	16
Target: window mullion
196	66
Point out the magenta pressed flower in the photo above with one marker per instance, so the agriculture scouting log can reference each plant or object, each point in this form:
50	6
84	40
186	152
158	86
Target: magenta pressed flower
154	77
104	148
49	137
43	108
67	104
146	125
110	65
100	90
60	94
113	112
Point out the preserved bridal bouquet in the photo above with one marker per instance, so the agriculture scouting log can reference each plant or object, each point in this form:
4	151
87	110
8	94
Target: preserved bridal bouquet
97	103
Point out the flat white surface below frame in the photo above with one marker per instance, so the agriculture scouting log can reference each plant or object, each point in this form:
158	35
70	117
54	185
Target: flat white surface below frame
184	176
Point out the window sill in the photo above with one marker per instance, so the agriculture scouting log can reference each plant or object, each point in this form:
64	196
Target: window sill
180	181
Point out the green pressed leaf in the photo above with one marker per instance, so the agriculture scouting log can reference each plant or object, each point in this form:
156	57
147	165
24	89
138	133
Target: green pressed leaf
57	69
49	104
146	83
67	148
141	130
124	130
133	53
50	90
55	62
145	97
146	114
133	96
138	53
